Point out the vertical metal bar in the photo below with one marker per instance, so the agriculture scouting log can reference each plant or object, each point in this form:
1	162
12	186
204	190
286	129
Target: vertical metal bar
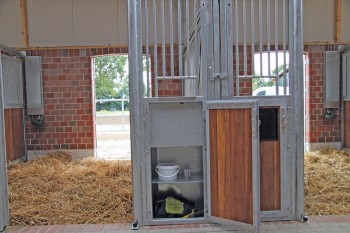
299	104
179	24
196	57
171	37
4	208
244	37
229	48
155	47
204	52
237	48
261	37
252	27
147	50
284	26
187	35
276	45
268	30
163	38
223	62
216	48
135	63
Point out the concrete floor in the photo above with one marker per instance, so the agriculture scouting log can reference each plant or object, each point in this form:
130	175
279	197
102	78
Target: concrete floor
316	224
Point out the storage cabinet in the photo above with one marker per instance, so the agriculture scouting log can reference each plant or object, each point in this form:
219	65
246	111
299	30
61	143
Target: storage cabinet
175	134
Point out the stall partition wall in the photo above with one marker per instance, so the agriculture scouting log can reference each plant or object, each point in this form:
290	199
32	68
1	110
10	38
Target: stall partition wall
4	209
12	73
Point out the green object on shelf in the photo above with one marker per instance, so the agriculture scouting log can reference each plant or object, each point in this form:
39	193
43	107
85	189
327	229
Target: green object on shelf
173	206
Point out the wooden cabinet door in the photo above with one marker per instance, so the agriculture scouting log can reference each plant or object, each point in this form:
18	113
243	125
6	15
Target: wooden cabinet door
233	164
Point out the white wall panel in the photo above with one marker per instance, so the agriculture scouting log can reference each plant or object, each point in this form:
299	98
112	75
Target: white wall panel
345	21
96	22
10	23
50	22
318	20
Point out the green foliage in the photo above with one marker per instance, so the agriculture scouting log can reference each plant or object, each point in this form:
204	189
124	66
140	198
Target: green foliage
268	82
111	80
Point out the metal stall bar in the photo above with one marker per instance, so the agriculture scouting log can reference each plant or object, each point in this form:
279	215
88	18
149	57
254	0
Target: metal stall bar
195	23
298	92
252	28
244	19
4	208
284	46
203	55
163	38
237	48
268	30
136	93
261	36
171	37
148	90
224	62
179	25
216	49
155	47
276	45
187	22
229	48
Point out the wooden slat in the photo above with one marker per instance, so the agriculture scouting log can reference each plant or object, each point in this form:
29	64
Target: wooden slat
24	22
14	132
270	176
231	174
347	124
338	20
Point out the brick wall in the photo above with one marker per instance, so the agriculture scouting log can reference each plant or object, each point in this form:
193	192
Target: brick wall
318	129
68	99
68	96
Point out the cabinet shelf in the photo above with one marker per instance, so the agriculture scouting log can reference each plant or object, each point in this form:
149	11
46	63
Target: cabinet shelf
195	178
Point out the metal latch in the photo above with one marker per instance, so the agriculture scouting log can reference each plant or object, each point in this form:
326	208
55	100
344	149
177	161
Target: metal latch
213	75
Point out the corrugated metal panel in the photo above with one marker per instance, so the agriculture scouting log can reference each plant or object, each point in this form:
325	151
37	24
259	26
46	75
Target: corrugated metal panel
10	26
95	22
50	22
13	82
345	21
318	20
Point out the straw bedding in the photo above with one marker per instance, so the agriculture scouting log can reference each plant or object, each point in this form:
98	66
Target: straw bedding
53	189
327	182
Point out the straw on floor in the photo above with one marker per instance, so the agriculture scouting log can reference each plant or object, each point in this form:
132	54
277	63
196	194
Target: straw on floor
54	189
327	182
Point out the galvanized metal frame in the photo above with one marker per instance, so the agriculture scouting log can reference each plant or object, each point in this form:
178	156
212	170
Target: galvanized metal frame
243	104
4	208
213	67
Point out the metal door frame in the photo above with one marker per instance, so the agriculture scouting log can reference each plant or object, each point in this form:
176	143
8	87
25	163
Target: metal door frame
247	104
286	165
4	208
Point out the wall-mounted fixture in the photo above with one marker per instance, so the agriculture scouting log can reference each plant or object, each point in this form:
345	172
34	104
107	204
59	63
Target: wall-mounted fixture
330	113
34	86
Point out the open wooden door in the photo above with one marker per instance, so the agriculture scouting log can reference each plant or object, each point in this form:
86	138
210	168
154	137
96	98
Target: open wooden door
233	164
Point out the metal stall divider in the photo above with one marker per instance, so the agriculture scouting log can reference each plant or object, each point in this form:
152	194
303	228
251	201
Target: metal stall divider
215	67
4	208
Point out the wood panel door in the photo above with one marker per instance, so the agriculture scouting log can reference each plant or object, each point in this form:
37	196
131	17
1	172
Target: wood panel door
234	164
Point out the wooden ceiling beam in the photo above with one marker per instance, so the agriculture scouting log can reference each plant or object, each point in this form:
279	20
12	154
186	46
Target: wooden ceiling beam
24	22
337	20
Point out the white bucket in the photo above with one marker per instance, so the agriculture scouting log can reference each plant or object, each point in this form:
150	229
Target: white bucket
167	171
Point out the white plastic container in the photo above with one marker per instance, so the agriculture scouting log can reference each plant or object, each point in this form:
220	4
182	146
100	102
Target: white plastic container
167	171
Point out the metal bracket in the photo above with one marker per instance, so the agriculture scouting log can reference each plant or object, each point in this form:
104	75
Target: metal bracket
214	76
